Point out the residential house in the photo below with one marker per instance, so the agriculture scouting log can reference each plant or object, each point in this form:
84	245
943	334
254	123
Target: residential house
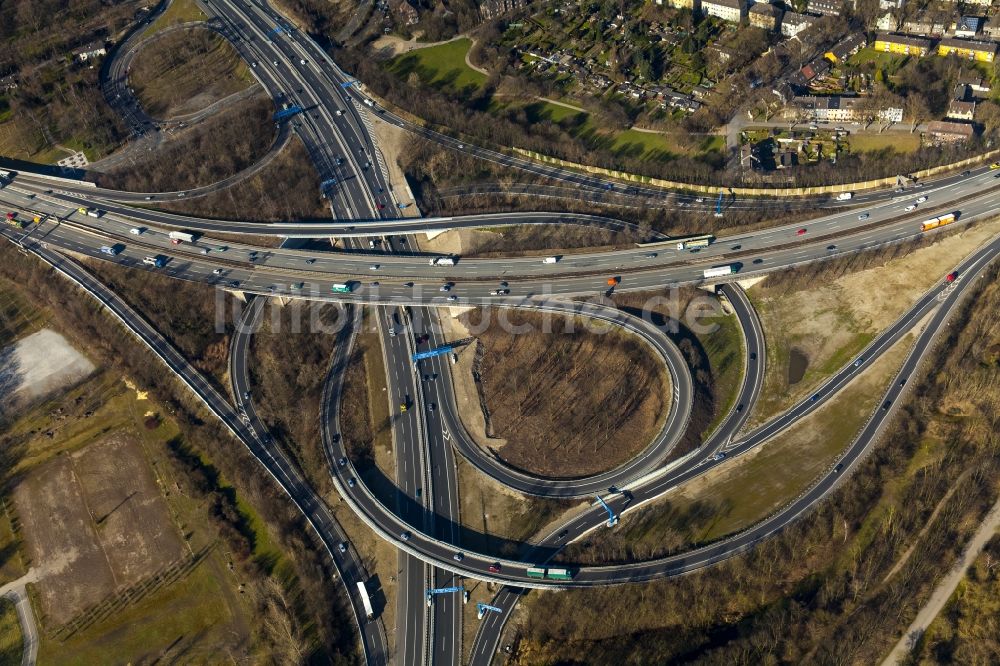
947	132
792	23
918	27
977	84
891	4
727	10
846	47
992	28
825	7
765	15
968	27
693	5
902	44
783	91
959	110
968	48
887	22
835	109
700	92
811	71
90	54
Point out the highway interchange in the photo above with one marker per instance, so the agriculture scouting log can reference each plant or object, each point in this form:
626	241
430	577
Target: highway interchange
342	148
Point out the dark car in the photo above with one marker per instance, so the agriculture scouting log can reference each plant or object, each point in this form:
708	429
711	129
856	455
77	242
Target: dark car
758	261
838	468
342	462
753	356
739	408
562	535
885	405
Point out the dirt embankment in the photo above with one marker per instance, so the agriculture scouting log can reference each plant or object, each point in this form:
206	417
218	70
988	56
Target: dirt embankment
567	398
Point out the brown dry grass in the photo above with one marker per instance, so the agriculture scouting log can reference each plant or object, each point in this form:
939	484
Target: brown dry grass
96	521
568	402
186	71
830	320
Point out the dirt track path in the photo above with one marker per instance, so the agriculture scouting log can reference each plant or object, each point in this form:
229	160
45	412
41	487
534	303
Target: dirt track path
945	588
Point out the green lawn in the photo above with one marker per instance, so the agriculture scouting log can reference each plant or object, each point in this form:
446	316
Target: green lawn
11	644
724	348
882	60
871	143
442	66
661	145
179	11
554	112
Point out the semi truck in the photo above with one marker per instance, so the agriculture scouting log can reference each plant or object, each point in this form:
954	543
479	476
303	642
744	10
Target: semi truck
112	250
157	261
719	271
12	220
181	236
365	601
938	221
442	261
697	241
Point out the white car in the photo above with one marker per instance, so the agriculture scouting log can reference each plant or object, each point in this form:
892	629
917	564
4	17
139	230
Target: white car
217	271
910	207
136	231
921	200
373	267
302	61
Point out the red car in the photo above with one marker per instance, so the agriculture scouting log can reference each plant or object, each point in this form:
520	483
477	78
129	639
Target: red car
800	232
495	567
381	206
951	276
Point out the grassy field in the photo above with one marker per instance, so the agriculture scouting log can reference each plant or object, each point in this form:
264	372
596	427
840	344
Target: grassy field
661	145
186	71
872	143
179	11
882	60
724	349
17	316
746	489
830	319
198	612
11	641
442	66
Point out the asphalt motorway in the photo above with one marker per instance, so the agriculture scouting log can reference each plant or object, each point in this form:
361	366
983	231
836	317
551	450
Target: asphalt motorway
410	278
477	566
272	458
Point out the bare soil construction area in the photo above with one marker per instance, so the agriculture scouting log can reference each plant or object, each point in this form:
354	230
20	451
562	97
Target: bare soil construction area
96	520
38	365
815	324
570	402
